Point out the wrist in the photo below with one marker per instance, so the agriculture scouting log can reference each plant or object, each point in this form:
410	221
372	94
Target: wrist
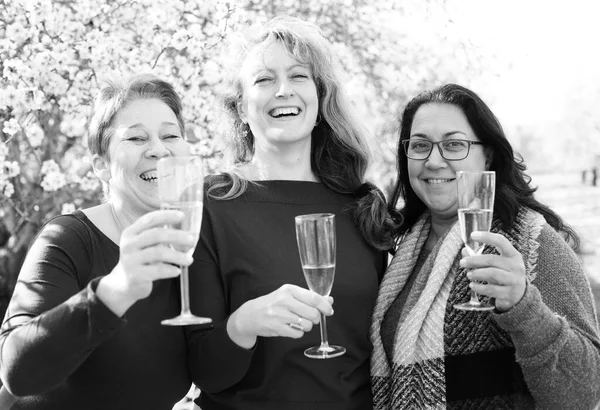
114	295
237	329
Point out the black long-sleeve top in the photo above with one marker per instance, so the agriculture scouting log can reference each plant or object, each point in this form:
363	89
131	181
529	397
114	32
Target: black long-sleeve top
248	249
62	348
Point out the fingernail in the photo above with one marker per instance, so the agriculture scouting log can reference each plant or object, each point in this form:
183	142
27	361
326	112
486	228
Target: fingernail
469	274
462	262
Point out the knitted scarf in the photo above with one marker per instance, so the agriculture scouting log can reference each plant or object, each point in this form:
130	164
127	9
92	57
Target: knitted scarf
416	376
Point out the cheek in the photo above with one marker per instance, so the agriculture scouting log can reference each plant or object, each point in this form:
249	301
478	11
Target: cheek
413	169
121	164
181	148
312	97
253	101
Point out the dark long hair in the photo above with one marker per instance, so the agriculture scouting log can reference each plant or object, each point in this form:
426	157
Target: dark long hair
512	184
339	151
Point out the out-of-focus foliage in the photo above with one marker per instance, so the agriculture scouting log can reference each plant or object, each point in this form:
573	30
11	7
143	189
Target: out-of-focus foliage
53	55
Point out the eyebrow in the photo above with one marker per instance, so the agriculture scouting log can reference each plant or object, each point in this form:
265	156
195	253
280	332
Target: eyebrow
163	124
288	68
448	134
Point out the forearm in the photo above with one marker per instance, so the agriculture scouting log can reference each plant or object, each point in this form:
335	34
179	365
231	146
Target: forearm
39	354
216	361
560	362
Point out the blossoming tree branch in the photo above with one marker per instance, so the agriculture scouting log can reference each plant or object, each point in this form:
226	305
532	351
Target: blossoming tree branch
53	55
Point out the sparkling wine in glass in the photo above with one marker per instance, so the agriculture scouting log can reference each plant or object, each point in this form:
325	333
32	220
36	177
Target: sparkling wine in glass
315	234
476	191
181	187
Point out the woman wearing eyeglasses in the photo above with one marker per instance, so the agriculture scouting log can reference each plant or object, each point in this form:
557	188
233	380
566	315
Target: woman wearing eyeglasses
540	347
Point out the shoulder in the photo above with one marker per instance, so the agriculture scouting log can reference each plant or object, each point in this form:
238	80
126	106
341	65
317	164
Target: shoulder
67	230
64	224
557	262
552	246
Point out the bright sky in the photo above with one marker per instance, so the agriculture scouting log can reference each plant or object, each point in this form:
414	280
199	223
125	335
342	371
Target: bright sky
552	46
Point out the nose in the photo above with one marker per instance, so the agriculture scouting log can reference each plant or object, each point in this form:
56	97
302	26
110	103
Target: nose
157	149
435	160
285	89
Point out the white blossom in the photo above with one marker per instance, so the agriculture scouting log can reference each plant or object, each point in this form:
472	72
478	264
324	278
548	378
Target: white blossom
9	189
53	181
35	135
3	150
11	127
10	169
89	183
50	166
68	208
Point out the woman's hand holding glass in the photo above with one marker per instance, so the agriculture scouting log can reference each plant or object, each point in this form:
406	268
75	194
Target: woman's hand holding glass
504	274
148	252
289	311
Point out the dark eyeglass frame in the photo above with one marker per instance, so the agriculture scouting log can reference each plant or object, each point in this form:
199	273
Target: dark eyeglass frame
469	143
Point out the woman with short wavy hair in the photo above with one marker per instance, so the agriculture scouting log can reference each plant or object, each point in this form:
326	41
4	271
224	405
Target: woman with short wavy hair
82	329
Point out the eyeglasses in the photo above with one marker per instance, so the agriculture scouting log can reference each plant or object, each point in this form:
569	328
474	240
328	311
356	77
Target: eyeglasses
450	150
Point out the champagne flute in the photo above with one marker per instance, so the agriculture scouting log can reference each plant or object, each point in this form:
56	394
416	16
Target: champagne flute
181	187
476	191
315	234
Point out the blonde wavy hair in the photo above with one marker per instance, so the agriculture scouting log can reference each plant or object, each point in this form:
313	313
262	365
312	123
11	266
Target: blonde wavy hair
339	150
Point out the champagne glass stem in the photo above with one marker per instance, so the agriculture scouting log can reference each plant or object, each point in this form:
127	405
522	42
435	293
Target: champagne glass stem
185	291
323	328
186	317
474	297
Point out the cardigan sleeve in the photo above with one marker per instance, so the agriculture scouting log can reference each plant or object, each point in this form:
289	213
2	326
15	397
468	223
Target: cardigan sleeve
52	324
555	330
215	361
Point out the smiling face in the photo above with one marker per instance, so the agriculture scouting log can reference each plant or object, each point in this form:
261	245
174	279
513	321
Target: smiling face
433	179
280	102
144	131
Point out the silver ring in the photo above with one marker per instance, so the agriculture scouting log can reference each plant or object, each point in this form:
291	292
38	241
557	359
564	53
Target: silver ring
297	325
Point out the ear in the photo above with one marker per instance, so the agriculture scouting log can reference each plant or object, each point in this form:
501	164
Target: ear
241	112
101	168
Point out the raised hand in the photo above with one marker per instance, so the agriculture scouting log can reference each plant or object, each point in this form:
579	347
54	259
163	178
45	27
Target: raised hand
504	273
148	251
286	312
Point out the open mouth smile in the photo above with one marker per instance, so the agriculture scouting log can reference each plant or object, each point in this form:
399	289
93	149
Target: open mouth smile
284	112
149	176
436	181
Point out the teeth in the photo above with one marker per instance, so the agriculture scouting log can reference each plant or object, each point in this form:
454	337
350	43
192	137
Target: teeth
438	180
285	111
149	176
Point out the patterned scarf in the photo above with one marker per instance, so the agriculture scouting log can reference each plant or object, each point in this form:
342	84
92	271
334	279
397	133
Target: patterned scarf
416	378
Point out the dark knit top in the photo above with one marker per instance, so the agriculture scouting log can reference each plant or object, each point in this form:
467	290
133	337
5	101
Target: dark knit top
248	249
64	349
